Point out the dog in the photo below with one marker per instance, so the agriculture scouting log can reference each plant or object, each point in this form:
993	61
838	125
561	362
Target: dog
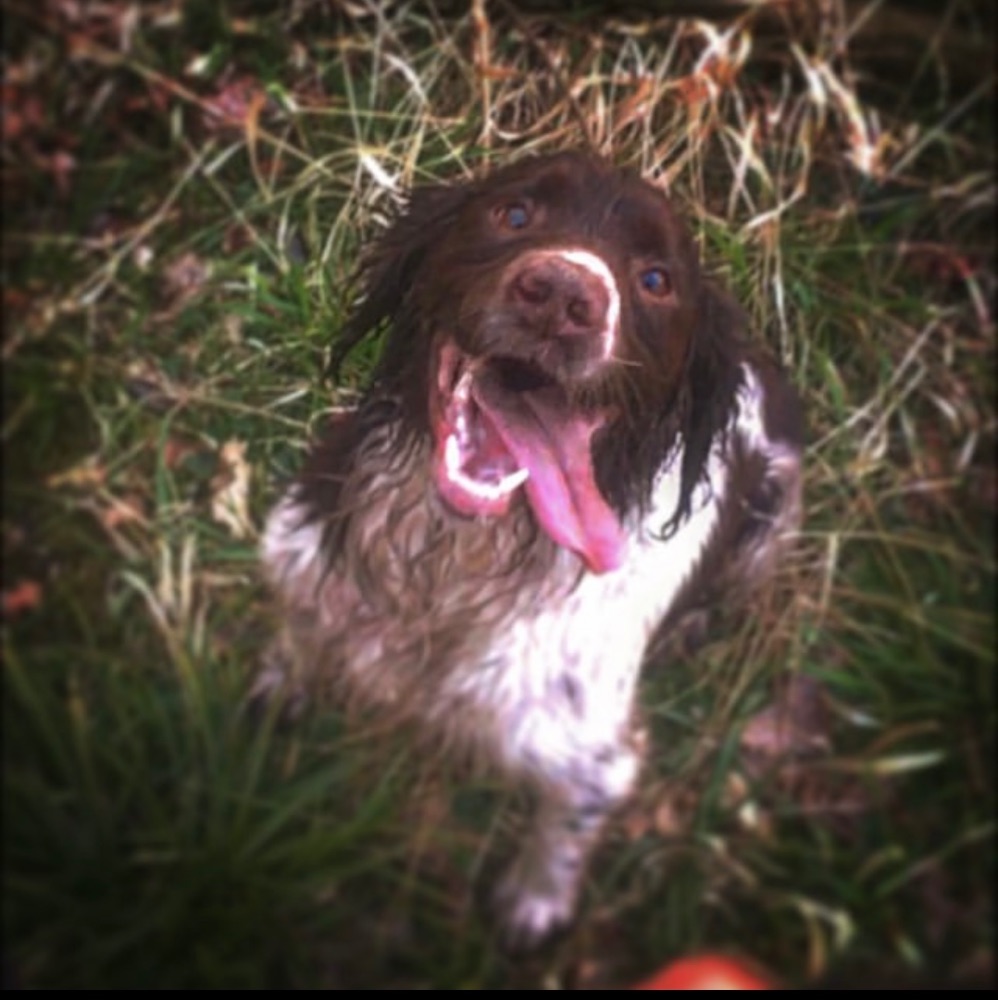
568	448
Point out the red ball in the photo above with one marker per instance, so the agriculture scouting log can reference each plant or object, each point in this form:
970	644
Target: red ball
707	972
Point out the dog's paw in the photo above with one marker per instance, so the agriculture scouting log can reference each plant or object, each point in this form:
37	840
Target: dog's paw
530	911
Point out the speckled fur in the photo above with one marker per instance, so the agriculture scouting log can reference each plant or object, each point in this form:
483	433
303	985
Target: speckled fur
482	631
534	673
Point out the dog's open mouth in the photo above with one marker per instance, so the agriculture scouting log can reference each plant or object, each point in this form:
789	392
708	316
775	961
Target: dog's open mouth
500	424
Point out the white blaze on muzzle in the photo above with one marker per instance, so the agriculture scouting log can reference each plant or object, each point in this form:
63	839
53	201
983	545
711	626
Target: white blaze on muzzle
599	269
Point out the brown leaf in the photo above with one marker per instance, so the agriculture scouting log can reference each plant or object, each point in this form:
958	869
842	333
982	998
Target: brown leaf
237	237
25	595
668	821
233	326
230	490
176	449
494	71
23	114
183	278
636	106
593	974
937	263
14	300
123	511
795	724
254	106
635	823
672	809
62	165
87	474
234	104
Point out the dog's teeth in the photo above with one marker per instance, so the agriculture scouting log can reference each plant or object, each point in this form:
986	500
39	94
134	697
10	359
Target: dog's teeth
490	491
452	456
483	490
462	391
494	491
509	483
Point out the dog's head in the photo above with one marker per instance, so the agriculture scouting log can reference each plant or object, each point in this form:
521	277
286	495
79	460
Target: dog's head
544	326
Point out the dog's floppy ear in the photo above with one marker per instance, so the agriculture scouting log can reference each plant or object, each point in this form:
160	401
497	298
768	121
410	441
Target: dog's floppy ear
711	387
387	272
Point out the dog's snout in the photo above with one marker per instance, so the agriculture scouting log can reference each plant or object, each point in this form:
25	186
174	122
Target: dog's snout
561	297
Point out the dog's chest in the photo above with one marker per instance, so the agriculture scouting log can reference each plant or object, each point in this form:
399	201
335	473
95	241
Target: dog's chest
577	654
498	656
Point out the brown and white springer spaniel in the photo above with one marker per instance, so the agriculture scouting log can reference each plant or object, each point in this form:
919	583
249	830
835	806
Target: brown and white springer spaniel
567	447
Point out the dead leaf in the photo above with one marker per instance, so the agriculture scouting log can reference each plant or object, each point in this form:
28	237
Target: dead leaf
787	744
494	71
254	106
230	490
143	255
150	386
796	724
176	449
593	974
107	228
23	114
635	822
183	278
234	104
88	474
668	822
736	790
233	327
14	300
694	90
62	165
636	106
237	237
123	510
665	808
756	820
25	595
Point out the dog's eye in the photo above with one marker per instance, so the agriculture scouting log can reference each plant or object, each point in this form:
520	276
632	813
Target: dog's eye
655	281
515	215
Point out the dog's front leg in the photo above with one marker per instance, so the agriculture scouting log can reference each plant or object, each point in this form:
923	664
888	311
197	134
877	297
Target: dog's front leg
539	893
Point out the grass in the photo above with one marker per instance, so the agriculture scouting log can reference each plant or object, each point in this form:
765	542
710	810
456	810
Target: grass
186	189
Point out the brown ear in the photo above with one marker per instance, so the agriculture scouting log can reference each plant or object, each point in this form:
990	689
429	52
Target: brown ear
386	274
712	381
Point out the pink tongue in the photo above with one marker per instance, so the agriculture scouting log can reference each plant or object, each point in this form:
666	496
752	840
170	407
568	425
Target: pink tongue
555	450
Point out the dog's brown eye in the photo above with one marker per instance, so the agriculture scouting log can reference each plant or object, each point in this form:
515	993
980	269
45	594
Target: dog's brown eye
516	215
655	281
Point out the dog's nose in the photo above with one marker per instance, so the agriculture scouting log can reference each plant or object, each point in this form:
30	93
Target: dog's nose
560	297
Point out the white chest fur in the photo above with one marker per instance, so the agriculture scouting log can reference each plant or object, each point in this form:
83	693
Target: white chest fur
562	677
